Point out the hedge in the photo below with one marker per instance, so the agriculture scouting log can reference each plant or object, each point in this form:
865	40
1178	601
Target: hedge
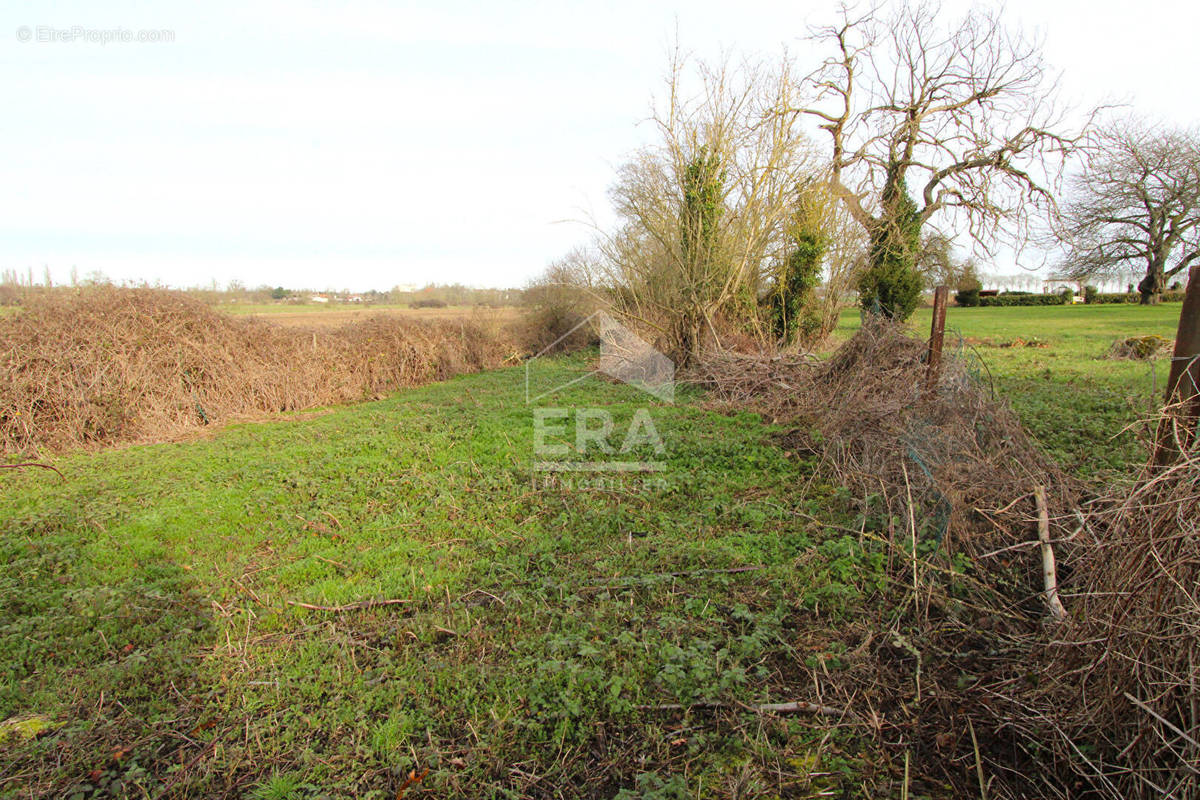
1024	300
972	298
1123	297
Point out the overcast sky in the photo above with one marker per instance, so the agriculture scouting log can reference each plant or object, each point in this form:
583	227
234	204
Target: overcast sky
378	144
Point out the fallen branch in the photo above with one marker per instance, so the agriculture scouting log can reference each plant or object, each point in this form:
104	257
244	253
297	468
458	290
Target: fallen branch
798	706
1161	719
1049	569
359	606
34	464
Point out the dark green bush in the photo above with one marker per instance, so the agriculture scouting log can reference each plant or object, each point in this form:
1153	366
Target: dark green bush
891	285
967	297
1090	293
1024	300
1134	297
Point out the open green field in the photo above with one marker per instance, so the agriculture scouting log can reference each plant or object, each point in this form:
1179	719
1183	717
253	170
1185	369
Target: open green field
195	619
1076	402
148	609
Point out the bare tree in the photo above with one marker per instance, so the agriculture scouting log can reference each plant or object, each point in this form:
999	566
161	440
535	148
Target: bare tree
1135	206
964	116
703	212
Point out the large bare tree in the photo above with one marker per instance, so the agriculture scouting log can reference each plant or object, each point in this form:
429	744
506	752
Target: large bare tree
1135	207
929	121
704	210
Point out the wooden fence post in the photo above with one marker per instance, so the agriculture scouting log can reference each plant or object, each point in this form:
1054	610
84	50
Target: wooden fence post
1183	384
937	333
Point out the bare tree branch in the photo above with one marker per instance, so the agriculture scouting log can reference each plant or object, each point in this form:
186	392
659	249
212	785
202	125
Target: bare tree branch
1135	207
964	114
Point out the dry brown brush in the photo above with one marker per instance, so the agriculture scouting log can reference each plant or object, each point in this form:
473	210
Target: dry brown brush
964	668
1126	673
106	365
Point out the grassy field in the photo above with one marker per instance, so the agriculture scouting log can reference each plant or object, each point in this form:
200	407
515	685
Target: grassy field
1074	400
332	315
189	619
149	609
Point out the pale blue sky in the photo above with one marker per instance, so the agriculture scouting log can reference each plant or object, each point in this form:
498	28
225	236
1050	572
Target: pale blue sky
383	143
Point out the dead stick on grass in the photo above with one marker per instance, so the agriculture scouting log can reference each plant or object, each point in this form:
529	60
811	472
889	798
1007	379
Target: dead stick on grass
799	706
1049	570
34	464
359	606
978	761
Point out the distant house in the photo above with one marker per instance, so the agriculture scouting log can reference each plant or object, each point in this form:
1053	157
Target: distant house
354	298
317	298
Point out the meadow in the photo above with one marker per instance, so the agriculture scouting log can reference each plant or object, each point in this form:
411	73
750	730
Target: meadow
382	599
1050	364
335	314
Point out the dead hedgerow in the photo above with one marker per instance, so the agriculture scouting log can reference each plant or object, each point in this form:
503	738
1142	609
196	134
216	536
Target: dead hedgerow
973	674
108	365
1126	673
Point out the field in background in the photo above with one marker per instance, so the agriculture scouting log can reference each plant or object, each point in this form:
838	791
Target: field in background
1049	363
316	316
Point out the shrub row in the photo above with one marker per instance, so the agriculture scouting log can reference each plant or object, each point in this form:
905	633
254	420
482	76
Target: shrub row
108	365
971	297
1024	300
1133	297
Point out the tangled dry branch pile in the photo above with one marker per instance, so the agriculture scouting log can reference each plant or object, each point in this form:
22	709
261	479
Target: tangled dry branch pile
970	669
1126	673
870	415
111	365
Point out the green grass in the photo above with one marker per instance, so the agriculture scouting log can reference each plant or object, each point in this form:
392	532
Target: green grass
1077	403
147	609
151	645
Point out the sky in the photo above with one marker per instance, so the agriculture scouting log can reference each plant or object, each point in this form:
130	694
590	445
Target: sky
366	145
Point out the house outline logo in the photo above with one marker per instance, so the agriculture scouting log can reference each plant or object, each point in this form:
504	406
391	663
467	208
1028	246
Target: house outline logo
624	356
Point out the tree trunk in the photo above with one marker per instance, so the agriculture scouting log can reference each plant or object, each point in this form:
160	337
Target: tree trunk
1150	287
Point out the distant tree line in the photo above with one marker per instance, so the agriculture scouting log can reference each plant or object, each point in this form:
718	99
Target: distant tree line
15	285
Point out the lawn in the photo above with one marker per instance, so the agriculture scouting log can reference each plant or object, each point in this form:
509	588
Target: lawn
150	630
196	619
1077	403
